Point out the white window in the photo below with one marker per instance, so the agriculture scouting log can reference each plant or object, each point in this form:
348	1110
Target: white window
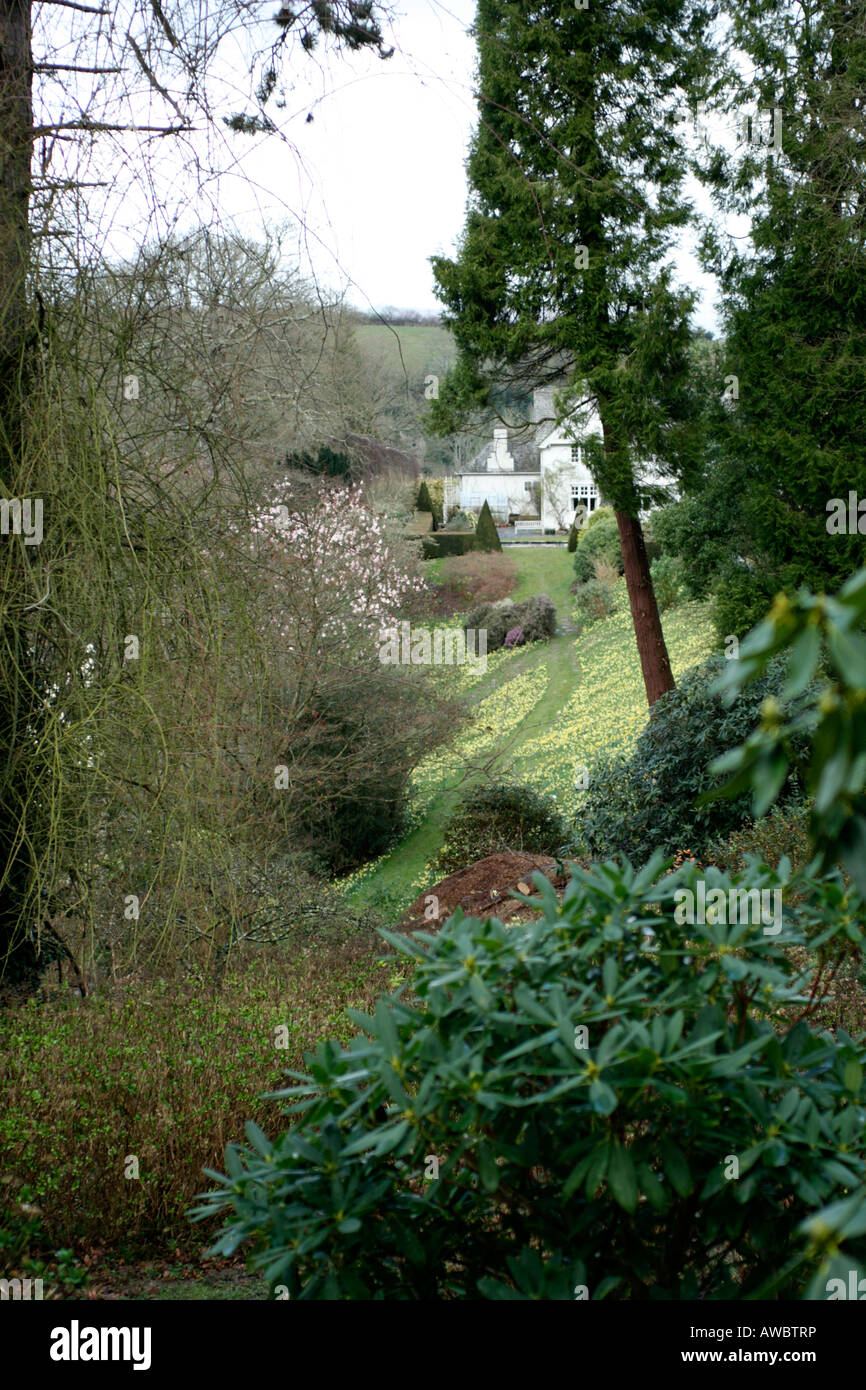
576	454
586	493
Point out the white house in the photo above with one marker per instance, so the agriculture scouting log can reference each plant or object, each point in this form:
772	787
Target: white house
539	473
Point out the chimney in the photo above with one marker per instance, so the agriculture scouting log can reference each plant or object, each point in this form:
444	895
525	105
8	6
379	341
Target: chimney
542	405
500	460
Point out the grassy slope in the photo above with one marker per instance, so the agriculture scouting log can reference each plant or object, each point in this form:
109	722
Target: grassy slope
537	715
424	350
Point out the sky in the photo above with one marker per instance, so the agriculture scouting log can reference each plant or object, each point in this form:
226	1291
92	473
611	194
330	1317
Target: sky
368	189
379	173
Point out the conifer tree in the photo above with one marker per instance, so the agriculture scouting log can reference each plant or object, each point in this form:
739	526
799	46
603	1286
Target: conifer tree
424	502
575	174
792	437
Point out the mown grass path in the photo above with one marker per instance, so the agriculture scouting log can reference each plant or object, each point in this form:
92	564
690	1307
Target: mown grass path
536	716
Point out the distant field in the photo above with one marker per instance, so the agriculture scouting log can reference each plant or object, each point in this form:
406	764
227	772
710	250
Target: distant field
425	351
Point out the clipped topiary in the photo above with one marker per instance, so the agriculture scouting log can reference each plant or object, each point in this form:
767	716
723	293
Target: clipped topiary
486	534
424	502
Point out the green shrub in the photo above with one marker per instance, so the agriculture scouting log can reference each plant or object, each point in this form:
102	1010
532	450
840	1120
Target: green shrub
486	534
600	514
784	831
536	617
446	543
424	502
594	600
555	1112
824	696
573	536
506	817
460	521
666	573
599	540
740	599
649	801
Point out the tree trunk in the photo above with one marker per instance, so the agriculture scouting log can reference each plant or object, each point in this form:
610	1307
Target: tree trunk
652	650
618	485
18	952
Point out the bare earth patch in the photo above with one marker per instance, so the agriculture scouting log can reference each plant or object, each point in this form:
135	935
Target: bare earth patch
482	889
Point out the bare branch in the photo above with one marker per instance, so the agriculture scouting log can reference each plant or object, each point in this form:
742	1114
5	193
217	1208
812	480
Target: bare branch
101	127
73	5
152	79
70	67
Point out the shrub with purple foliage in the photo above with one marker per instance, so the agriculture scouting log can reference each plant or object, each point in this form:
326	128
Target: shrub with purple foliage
514	637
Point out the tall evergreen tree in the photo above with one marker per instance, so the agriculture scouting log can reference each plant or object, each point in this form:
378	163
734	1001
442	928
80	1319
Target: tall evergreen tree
793	436
575	175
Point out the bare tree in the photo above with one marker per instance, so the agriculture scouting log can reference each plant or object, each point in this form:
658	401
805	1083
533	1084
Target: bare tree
91	101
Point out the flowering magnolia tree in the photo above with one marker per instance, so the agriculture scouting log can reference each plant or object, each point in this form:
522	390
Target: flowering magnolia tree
333	736
337	574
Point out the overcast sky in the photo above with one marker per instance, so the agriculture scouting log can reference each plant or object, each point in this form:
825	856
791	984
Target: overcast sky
378	174
370	188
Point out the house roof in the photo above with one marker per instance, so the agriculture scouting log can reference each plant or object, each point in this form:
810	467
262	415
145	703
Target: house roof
525	455
523	449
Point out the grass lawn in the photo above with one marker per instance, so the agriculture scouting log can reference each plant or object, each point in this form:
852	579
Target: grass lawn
538	714
545	570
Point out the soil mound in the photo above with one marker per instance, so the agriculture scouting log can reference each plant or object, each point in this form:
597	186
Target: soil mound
482	889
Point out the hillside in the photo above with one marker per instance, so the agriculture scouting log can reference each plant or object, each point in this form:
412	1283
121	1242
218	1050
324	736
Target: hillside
414	348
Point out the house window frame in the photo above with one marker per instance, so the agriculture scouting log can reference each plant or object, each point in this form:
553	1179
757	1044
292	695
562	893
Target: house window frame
584	492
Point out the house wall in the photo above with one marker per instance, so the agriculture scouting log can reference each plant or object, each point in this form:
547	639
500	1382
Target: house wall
503	494
560	475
